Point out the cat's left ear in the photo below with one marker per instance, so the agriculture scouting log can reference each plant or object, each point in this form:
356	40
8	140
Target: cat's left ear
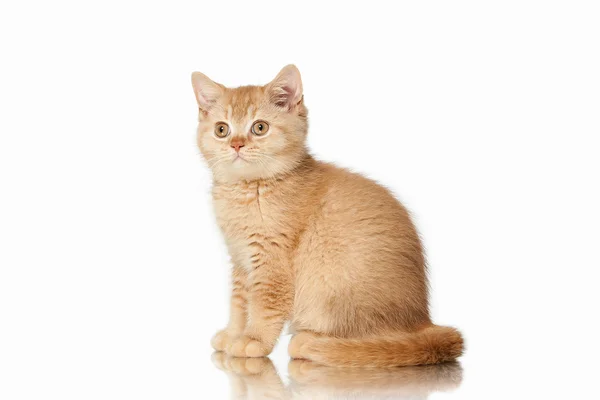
207	92
286	89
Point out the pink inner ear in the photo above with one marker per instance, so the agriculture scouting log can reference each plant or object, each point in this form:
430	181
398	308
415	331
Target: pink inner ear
285	96
202	99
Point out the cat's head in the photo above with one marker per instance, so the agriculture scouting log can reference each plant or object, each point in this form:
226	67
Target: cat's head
252	132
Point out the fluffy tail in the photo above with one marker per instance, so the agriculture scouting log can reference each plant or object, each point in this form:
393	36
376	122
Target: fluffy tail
431	345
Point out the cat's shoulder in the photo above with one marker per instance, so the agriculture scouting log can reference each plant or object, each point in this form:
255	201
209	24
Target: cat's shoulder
344	186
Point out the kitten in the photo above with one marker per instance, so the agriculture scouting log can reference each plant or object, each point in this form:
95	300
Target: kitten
330	251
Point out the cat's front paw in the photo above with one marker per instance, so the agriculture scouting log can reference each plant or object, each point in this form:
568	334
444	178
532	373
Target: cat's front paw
222	340
245	346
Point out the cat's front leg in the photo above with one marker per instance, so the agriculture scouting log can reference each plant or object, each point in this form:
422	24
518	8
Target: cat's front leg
270	299
238	311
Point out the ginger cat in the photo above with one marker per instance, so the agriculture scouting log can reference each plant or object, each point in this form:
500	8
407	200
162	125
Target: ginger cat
329	250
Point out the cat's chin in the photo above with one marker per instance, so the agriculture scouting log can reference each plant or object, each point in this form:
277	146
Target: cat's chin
240	170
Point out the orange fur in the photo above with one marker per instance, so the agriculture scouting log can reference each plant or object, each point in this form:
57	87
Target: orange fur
329	250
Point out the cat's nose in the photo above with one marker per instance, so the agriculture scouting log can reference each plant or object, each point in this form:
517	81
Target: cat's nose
237	144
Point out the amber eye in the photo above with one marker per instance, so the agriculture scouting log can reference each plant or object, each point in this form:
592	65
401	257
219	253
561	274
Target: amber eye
221	129
260	128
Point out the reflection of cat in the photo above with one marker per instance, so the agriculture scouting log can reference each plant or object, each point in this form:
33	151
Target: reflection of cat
330	250
256	378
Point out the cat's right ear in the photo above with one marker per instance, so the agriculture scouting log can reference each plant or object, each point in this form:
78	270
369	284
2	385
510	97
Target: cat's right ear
207	92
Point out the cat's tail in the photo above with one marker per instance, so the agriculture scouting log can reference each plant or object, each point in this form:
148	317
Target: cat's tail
431	345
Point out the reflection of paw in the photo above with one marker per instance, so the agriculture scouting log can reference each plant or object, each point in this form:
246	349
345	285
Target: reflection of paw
250	366
303	371
297	346
221	340
245	346
242	366
220	360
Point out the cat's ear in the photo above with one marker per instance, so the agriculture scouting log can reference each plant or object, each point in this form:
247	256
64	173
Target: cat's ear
286	89
207	92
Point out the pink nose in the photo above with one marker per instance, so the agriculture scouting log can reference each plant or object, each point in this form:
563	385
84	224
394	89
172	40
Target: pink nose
237	144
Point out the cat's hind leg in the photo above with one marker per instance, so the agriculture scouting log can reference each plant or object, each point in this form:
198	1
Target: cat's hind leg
297	348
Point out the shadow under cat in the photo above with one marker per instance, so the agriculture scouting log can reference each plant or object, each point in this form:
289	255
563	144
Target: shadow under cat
257	378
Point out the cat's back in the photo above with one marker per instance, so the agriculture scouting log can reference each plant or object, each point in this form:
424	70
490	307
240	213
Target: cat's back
358	198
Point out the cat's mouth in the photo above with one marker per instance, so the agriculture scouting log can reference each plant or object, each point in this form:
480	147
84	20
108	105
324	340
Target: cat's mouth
238	157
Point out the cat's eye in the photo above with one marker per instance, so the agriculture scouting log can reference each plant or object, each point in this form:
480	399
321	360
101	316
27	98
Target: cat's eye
221	129
260	128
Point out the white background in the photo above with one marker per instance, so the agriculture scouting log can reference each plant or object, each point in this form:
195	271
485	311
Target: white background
483	117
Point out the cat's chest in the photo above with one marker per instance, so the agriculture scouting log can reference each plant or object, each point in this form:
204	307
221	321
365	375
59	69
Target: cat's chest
238	209
245	212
